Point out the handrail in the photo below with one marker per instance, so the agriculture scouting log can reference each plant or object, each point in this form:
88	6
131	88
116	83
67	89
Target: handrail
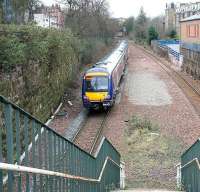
189	157
25	137
24	169
191	147
190	162
2	98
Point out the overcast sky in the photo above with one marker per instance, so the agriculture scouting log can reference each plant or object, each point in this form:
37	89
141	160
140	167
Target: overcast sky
126	8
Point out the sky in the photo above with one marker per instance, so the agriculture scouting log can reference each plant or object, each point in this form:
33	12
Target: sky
127	8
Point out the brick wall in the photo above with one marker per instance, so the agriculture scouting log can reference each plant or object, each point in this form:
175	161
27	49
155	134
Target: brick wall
190	31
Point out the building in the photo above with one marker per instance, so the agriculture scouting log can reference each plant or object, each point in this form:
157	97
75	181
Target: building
170	17
49	16
174	13
46	21
190	45
189	29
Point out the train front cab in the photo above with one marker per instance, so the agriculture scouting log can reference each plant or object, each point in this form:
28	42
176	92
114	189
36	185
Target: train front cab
97	90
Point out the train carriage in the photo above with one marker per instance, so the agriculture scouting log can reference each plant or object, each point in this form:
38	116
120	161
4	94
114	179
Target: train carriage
100	83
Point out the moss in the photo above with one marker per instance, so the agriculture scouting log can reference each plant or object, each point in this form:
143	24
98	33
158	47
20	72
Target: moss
35	65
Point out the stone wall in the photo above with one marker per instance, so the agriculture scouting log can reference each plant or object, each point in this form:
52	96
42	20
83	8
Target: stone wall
36	67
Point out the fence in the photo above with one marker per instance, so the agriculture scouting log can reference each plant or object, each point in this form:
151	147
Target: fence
169	49
33	157
190	168
191	61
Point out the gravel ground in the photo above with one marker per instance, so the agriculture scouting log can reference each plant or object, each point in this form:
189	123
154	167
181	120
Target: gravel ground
177	117
174	113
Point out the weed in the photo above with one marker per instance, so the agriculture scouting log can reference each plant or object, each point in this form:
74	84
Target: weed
150	157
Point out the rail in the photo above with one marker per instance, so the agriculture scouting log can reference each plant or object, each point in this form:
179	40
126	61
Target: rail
190	168
50	162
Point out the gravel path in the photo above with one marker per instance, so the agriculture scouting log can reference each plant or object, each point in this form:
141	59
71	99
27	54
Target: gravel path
167	104
151	92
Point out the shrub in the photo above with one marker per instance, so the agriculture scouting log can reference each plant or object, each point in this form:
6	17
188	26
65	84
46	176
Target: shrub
36	66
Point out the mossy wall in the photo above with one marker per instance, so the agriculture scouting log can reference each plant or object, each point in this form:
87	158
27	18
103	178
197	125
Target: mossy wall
36	66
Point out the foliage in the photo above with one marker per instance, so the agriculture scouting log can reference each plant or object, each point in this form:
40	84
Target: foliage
129	25
172	34
12	53
158	23
90	18
152	34
141	24
138	29
36	66
138	123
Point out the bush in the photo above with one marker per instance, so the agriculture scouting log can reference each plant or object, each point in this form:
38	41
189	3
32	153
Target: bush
91	49
36	66
152	34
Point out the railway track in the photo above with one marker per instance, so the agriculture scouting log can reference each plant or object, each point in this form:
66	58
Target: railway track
191	92
90	134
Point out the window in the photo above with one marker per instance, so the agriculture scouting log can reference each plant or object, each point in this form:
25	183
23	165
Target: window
193	30
95	84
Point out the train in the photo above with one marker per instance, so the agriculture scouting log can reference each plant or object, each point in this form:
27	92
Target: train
101	82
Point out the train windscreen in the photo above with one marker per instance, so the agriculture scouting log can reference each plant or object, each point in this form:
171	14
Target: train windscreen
97	84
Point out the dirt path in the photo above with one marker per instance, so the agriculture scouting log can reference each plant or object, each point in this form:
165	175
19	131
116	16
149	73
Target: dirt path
151	93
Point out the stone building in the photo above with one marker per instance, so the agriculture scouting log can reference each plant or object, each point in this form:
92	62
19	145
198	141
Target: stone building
170	17
190	44
174	13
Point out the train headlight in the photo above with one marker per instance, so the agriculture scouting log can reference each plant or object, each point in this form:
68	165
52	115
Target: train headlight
85	98
108	97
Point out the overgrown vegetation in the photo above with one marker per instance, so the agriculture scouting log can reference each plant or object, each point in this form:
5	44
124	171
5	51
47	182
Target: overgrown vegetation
90	18
143	29
151	157
172	34
129	25
152	34
36	66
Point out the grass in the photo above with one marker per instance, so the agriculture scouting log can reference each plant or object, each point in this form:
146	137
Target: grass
150	157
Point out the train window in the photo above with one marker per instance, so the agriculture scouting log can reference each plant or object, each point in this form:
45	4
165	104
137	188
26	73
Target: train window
95	84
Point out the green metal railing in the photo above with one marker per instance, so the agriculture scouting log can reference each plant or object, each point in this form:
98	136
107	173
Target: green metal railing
190	168
33	157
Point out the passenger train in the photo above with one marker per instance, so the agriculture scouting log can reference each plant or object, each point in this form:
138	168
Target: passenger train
100	83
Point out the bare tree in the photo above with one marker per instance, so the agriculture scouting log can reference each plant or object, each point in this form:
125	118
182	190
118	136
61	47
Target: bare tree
31	5
88	17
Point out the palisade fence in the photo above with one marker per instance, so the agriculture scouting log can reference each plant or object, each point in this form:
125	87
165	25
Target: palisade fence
190	168
33	157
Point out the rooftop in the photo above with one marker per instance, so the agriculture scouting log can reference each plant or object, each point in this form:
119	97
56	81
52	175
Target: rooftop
191	18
